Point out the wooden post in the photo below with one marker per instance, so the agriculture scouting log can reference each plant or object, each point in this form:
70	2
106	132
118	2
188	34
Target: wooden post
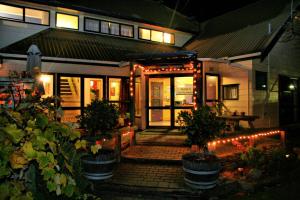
282	138
118	146
131	93
132	137
198	83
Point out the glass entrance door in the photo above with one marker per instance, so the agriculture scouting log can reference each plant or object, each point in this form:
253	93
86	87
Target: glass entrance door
167	96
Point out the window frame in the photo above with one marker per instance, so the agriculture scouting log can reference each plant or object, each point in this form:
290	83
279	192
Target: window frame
256	84
163	39
237	86
56	13
205	85
24	14
89	18
140	36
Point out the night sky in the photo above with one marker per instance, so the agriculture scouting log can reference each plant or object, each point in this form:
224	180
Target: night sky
203	10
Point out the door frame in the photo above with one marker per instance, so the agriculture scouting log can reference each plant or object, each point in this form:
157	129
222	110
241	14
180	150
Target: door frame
172	106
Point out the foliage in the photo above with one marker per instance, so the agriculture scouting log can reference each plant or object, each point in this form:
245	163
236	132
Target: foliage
201	126
99	117
253	157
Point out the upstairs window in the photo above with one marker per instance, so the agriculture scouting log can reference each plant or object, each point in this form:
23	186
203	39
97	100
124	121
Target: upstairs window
169	38
156	36
104	27
36	16
114	28
92	25
66	21
144	34
126	30
11	12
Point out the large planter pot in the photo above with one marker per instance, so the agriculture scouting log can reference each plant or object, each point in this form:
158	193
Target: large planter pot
201	171
99	167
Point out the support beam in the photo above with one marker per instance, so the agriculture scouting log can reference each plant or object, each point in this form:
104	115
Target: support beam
197	84
131	93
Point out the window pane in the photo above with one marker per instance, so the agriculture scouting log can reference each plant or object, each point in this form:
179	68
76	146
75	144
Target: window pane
11	12
156	36
70	91
36	16
114	89
104	27
47	81
212	87
183	91
92	25
230	92
138	106
261	79
126	30
177	111
144	34
70	116
93	89
66	21
168	38
159	117
159	92
114	28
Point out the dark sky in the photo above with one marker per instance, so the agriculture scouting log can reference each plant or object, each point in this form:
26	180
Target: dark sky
205	9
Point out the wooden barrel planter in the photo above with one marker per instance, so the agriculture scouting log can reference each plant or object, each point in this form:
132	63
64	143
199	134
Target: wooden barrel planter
99	167
201	171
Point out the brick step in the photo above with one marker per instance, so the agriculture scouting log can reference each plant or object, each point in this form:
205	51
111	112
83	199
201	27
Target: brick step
168	144
150	161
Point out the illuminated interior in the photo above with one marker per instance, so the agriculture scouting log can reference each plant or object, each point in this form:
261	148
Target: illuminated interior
168	38
138	103
70	91
183	91
156	36
177	111
212	87
93	89
47	81
114	89
144	34
11	12
66	21
36	16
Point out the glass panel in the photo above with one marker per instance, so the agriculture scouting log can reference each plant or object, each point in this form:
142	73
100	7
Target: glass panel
92	25
212	87
144	34
70	91
183	91
159	92
261	80
93	89
230	92
11	12
176	112
70	116
156	36
66	21
47	81
137	96
36	16
104	27
159	117
114	28
114	89
126	30
168	38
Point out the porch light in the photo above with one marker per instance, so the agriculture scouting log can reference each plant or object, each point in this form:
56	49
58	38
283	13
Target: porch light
45	78
292	86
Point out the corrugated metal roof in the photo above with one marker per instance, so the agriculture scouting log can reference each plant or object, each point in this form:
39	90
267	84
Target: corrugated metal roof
73	44
148	11
241	32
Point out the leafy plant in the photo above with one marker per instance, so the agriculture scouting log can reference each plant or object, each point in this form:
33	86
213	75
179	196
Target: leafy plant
99	117
201	126
253	157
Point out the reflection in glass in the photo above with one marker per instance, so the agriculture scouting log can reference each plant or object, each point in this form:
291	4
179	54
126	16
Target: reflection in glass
159	117
177	111
47	81
114	89
70	91
183	91
159	92
212	87
93	89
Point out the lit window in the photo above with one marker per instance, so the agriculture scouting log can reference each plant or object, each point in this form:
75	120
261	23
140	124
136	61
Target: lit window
47	81
93	89
11	12
70	91
66	21
138	102
114	28
168	38
212	87
126	30
92	25
144	34
231	92
36	16
114	89
156	36
104	27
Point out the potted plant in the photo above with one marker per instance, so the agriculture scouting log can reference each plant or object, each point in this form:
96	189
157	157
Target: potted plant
201	167
100	118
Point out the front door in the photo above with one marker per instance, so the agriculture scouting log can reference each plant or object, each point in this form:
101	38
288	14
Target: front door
167	96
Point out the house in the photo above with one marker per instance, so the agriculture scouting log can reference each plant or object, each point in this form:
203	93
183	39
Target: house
156	64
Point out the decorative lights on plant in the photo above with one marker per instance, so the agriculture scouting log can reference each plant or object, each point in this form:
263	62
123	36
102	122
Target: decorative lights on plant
253	136
196	76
